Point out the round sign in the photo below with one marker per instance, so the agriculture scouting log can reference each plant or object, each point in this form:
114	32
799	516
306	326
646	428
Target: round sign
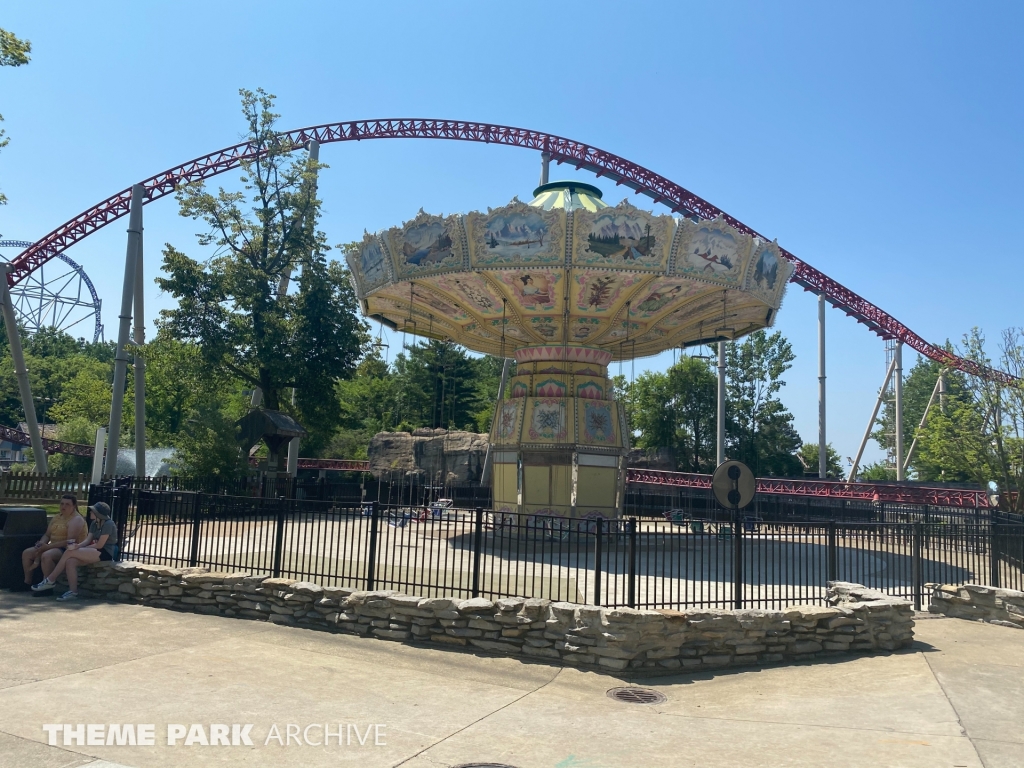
733	484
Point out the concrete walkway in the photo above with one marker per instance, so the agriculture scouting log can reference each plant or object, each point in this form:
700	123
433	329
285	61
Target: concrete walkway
956	699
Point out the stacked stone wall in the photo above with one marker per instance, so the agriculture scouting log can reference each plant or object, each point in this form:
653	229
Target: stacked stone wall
980	603
611	639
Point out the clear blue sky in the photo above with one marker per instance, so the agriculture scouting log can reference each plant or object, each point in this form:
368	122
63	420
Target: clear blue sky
881	142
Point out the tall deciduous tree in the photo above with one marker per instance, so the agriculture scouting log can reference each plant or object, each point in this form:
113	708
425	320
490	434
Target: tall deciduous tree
676	409
230	307
759	428
13	53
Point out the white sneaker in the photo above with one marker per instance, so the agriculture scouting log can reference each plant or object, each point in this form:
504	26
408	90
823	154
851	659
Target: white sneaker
42	585
69	595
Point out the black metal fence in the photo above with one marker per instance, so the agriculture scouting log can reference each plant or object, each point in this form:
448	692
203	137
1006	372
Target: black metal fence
702	562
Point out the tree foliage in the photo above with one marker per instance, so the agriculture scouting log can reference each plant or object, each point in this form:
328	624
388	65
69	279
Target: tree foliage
14	52
809	454
759	428
231	306
677	410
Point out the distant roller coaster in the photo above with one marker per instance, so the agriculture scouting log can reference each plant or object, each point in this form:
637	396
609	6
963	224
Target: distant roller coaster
60	296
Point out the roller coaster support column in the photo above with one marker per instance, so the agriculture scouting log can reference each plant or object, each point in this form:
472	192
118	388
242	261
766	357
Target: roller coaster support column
18	355
97	456
545	166
140	369
131	260
721	403
871	422
822	442
898	373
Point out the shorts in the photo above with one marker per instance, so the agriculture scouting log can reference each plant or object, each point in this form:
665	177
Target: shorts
104	555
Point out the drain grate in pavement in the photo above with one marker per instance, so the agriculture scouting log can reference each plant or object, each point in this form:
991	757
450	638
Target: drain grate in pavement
636	696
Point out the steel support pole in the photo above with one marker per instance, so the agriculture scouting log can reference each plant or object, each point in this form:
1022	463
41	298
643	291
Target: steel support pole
822	442
140	367
898	373
545	166
721	403
97	455
489	456
871	422
20	371
293	445
123	331
924	420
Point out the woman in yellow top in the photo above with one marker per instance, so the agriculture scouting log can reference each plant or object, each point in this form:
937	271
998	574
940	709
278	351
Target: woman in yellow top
66	527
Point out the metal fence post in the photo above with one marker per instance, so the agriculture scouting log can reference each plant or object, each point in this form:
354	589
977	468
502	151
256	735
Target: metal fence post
371	554
193	556
631	530
737	561
833	565
478	545
993	554
918	586
598	535
279	538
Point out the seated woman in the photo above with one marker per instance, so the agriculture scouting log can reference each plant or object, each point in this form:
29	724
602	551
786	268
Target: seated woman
67	526
100	544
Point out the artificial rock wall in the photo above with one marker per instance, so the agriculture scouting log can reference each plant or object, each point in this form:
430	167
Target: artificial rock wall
974	601
611	639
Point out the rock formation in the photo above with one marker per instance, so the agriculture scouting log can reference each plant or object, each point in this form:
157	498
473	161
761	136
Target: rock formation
436	455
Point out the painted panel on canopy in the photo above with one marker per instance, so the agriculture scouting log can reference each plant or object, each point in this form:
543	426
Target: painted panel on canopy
712	251
547	328
426	244
428	301
768	273
661	294
512	330
422	322
516	234
585	328
368	263
600	292
533	290
702	306
623	236
473	291
620	333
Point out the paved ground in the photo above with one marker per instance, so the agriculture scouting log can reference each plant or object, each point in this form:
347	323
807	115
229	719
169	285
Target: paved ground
956	699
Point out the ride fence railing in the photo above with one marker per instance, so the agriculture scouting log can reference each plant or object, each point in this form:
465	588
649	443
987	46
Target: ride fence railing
629	562
700	502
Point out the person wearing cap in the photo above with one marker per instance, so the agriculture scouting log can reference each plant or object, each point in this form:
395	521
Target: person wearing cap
100	544
68	525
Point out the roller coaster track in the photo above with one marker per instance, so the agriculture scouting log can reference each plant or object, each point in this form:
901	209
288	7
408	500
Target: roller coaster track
826	489
562	150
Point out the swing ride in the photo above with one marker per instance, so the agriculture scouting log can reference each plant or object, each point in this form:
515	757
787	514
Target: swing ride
565	285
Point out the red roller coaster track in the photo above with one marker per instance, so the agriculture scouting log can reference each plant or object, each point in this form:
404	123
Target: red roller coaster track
562	150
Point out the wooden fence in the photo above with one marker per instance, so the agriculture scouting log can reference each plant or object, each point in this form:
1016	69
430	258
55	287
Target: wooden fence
33	488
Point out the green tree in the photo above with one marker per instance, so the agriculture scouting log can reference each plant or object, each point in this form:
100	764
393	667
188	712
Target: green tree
833	463
977	433
677	409
759	428
438	386
230	307
13	53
